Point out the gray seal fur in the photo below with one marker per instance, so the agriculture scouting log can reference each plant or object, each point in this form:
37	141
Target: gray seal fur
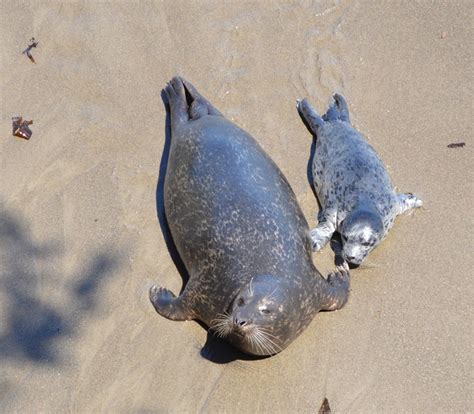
240	233
352	184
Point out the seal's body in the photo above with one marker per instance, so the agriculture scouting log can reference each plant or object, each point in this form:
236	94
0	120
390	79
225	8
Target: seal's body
240	233
352	184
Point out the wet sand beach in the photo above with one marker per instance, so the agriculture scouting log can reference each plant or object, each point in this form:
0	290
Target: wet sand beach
80	234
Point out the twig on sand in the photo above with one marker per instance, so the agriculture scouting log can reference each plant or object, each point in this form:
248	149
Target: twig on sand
32	44
456	145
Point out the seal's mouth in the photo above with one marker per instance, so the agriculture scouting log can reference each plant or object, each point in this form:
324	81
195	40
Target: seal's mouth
250	338
239	333
353	260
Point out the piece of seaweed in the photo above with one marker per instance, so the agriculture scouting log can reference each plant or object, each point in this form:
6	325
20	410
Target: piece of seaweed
27	51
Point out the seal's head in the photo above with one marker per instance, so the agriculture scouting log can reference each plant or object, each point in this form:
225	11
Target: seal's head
259	321
361	232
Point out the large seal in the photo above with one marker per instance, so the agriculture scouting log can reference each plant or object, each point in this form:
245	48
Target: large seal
353	187
240	233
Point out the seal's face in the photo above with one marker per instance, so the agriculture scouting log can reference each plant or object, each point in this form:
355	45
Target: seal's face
258	322
361	232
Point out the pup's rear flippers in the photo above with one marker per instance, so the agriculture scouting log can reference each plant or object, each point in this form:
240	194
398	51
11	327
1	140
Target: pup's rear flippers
311	118
338	111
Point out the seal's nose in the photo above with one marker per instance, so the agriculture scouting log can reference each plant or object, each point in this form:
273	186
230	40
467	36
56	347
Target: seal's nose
240	322
350	258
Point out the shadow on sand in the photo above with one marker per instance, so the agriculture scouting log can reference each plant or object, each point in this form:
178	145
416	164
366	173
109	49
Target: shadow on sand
160	199
219	351
32	324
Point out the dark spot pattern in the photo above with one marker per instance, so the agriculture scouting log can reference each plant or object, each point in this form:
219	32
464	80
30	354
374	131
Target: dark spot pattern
234	217
349	175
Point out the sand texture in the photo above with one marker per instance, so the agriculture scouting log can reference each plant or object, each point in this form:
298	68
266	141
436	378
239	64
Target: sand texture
80	234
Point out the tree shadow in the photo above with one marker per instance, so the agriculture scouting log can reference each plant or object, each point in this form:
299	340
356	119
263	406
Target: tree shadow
309	165
160	198
87	289
32	324
309	169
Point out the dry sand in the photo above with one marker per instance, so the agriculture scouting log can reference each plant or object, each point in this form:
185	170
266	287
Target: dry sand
81	240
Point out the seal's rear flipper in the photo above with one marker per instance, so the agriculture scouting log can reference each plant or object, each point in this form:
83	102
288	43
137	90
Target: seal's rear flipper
309	115
176	95
337	293
198	104
338	111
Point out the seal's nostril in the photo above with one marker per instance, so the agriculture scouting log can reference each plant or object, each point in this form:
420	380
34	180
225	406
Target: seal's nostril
242	323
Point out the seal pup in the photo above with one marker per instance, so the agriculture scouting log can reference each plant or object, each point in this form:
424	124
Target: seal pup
352	184
240	233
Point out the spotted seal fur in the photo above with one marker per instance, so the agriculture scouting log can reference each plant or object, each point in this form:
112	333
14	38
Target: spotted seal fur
352	184
240	233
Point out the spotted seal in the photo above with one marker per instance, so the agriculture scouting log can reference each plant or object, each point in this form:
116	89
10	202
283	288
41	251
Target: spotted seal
352	184
240	233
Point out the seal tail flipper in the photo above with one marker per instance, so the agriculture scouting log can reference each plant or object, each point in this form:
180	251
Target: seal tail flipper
176	95
407	202
338	111
199	100
310	117
338	287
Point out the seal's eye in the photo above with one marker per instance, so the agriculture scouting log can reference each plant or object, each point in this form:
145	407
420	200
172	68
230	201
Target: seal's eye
366	244
265	311
240	302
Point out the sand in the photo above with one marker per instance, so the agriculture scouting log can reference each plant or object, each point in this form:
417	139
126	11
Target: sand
81	240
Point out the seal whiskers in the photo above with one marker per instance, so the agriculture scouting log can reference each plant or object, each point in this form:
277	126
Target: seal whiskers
262	339
369	264
222	325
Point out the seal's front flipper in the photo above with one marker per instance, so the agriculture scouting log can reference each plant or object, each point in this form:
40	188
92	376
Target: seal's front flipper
320	235
338	111
408	201
337	289
176	95
326	227
198	104
168	305
309	115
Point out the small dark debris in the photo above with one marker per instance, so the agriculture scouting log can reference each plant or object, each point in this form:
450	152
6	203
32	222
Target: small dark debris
21	127
456	145
32	44
325	409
